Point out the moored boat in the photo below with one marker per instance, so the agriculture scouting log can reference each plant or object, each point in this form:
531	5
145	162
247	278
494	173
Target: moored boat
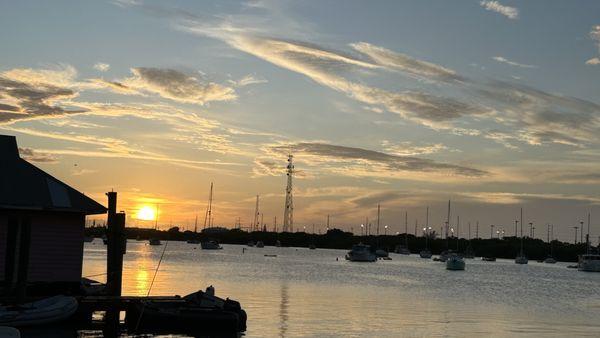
210	245
381	253
46	311
521	259
425	254
154	241
550	260
200	312
311	247
361	253
260	244
589	263
488	259
402	250
455	262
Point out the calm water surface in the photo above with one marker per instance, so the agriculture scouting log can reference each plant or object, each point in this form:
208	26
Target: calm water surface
308	293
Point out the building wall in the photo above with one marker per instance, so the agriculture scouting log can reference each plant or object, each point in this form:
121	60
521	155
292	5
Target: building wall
3	234
56	251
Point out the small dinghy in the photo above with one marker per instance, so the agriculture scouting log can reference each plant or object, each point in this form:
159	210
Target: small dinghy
45	311
199	312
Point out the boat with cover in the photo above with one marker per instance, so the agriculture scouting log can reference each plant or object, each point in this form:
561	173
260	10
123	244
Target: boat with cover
210	245
361	253
455	262
589	263
198	313
45	311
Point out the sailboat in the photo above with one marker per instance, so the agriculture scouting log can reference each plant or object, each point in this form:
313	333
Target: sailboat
403	249
426	253
550	259
155	241
521	258
194	240
589	262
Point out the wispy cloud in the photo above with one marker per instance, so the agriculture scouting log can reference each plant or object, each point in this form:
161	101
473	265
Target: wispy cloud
402	62
364	160
170	84
247	80
409	149
495	6
33	155
512	63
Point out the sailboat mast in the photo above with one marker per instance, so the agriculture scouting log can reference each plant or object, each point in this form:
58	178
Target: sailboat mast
406	229
196	224
378	213
210	199
156	218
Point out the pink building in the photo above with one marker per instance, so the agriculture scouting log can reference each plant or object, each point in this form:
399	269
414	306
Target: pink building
41	224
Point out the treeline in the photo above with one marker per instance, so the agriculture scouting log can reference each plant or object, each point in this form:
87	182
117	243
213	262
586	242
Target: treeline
508	247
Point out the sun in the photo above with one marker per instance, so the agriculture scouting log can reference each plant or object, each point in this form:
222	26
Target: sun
146	213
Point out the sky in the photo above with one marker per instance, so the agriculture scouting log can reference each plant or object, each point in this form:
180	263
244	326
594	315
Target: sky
407	104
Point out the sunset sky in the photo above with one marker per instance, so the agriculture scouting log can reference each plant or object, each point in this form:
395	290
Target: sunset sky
493	104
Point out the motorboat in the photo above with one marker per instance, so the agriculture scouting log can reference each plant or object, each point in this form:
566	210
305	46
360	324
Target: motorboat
589	262
550	260
45	311
402	250
260	244
425	254
210	245
521	259
455	262
488	259
381	253
197	313
154	241
444	255
361	253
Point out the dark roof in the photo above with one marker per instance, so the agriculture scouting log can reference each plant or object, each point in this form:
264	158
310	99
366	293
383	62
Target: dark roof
25	186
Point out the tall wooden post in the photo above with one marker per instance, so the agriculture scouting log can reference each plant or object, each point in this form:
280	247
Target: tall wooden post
116	246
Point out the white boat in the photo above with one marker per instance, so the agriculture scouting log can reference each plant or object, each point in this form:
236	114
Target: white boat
589	262
210	245
260	244
425	254
45	311
550	260
455	262
361	253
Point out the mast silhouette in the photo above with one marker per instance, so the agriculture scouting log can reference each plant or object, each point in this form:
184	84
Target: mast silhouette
208	214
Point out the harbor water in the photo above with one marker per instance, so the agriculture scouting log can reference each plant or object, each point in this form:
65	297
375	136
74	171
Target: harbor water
316	293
